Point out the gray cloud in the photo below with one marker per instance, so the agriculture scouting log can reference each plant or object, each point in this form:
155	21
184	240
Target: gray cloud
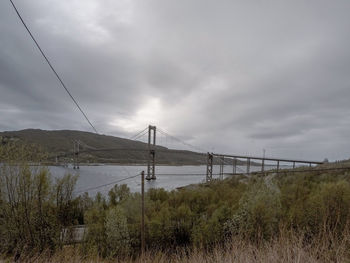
229	76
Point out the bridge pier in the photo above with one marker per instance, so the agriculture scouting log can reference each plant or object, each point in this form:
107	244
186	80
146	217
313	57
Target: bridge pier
222	160
248	165
234	165
209	176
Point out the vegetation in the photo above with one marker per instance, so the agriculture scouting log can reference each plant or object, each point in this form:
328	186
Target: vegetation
33	210
290	217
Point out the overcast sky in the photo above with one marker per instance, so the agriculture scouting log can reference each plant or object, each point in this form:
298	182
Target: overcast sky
228	76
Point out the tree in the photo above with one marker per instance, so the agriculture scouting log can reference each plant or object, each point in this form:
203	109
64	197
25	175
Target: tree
258	213
26	207
63	195
118	240
118	194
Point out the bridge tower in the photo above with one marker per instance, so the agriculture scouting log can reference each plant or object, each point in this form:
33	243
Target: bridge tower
151	163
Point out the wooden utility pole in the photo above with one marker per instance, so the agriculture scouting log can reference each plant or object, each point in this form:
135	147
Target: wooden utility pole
77	155
143	214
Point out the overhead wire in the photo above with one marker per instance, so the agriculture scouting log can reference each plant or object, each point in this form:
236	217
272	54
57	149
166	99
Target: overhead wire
104	185
51	66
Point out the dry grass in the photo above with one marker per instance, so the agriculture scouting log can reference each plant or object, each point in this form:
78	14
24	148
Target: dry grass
282	249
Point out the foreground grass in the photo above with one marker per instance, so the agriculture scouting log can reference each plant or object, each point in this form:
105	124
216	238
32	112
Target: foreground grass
285	248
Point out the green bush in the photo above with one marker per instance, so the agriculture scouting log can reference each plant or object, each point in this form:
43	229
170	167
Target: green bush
328	207
258	214
117	234
96	240
33	210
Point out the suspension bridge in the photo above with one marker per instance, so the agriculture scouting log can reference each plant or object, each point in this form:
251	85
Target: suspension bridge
151	150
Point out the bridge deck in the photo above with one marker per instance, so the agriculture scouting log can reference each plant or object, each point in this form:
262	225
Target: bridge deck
266	158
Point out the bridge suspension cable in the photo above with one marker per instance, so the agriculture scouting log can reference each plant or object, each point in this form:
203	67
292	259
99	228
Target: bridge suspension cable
140	137
51	66
181	141
139	134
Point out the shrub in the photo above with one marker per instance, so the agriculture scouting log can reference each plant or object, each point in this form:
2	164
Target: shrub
117	234
258	214
328	207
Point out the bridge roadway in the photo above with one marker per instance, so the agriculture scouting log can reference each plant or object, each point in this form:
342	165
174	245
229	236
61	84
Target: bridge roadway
224	157
265	158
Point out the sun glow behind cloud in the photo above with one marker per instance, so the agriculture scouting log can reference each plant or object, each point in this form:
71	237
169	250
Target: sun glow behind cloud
149	113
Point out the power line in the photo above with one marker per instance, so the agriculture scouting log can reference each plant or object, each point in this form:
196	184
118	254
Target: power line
115	182
50	65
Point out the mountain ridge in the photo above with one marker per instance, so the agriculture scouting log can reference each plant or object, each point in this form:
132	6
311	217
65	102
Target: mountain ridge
60	142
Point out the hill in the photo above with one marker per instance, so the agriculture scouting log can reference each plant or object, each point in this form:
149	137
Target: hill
115	149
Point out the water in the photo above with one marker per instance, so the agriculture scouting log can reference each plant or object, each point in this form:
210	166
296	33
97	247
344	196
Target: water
168	177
